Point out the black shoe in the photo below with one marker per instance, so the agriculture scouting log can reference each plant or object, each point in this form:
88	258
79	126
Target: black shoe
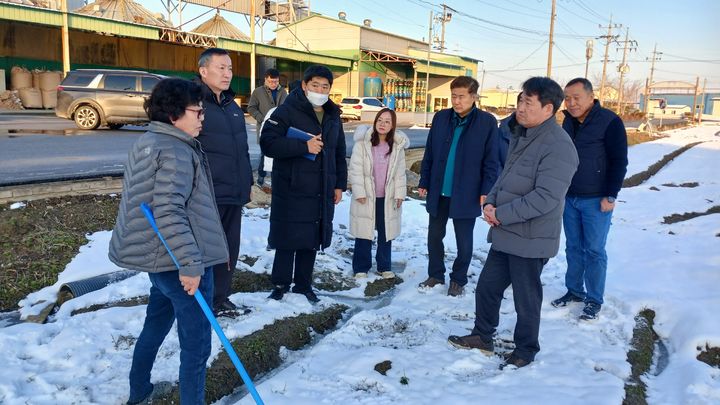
472	342
310	295
278	292
565	299
430	282
514	360
160	390
591	311
455	289
230	310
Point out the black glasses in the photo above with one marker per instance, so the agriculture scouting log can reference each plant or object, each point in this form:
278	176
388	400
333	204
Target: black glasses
200	112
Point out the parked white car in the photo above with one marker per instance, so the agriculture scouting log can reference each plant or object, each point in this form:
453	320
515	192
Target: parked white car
352	107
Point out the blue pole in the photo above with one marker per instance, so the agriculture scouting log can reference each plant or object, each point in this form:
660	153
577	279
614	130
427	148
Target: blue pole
208	313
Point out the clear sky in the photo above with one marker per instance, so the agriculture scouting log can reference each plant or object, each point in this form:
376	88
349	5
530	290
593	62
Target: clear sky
510	36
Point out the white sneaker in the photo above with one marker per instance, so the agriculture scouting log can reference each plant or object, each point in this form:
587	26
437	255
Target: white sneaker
386	274
361	275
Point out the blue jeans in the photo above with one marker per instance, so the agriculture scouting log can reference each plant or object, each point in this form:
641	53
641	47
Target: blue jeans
362	255
436	249
167	302
586	230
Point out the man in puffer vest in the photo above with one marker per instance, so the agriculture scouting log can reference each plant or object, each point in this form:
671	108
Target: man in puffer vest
601	142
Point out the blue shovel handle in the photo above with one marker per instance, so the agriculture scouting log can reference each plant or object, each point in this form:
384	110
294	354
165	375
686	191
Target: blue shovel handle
208	312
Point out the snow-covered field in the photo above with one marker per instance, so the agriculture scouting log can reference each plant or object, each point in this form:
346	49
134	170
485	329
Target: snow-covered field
672	269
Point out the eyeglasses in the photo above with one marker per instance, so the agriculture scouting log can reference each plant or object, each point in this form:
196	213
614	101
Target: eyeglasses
200	112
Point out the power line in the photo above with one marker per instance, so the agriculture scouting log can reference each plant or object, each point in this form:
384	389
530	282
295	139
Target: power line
535	68
474	26
389	16
529	56
562	51
591	11
576	14
514	11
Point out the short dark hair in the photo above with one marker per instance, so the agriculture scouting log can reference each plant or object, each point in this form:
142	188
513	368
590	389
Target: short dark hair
169	99
272	73
318	71
587	86
208	54
546	89
295	84
467	82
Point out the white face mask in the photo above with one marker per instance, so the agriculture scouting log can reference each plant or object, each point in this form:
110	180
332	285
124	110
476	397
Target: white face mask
317	99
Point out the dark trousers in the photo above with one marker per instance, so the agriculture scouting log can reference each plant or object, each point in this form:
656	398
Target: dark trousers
500	271
362	254
169	301
261	166
436	249
231	217
282	271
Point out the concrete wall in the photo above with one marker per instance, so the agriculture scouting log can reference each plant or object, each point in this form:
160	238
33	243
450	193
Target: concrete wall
370	39
497	98
319	34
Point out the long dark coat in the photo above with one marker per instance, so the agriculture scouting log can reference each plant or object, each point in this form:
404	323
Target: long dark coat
302	207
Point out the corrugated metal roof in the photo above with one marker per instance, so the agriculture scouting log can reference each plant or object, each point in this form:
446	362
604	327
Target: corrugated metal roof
220	27
123	10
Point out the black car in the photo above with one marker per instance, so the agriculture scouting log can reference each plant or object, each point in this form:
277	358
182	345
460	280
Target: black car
94	97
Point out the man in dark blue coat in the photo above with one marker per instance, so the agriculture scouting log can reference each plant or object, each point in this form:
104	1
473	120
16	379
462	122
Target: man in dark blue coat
224	140
601	142
308	179
458	169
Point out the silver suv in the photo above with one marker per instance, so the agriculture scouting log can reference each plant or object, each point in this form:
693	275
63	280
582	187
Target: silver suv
94	97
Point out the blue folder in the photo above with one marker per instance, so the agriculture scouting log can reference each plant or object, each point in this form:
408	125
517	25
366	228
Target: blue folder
303	136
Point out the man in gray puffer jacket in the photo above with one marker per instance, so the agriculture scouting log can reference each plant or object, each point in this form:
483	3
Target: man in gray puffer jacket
524	210
168	170
164	165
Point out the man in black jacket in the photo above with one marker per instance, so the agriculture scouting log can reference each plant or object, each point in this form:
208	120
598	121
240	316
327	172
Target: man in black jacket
308	179
601	142
224	140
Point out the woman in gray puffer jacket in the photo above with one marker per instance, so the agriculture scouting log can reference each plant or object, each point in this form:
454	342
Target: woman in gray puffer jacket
168	170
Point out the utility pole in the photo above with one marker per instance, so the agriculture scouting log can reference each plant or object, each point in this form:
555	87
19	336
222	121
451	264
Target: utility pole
445	18
694	106
550	40
588	54
427	72
65	32
648	87
482	83
702	102
609	37
628	46
252	47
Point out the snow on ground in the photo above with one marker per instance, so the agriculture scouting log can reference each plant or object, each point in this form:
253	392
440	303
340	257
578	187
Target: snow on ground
672	269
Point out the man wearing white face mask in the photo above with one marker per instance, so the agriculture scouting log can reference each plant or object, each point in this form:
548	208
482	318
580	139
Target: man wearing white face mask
308	179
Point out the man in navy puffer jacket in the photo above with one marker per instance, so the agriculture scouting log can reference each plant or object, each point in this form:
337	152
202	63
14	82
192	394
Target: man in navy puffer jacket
459	167
224	140
601	142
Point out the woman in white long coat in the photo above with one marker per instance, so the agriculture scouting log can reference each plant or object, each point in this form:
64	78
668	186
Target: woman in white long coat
377	177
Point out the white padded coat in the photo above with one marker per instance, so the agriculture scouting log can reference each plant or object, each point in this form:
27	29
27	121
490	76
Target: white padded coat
360	176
